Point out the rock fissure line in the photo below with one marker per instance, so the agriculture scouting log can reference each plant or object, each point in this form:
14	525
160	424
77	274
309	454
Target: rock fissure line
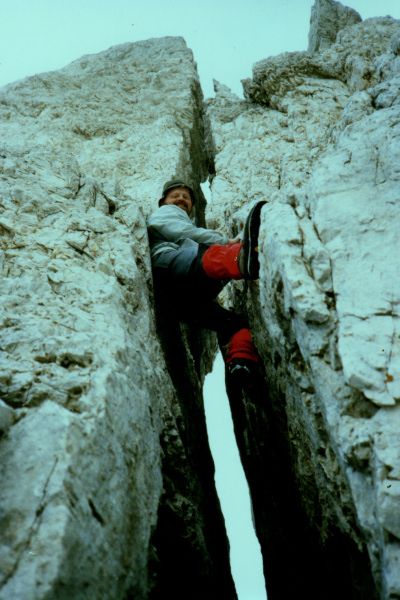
33	528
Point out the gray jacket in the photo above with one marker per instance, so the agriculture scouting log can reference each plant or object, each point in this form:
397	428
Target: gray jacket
171	231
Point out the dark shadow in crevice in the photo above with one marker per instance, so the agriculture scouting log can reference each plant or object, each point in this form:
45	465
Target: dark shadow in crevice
297	561
304	550
189	548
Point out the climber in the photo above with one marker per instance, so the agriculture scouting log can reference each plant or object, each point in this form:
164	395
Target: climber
191	265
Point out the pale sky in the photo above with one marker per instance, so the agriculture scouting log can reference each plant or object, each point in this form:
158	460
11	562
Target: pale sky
227	37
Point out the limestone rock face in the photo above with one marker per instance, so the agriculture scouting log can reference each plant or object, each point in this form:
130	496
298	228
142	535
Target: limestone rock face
327	18
89	416
318	138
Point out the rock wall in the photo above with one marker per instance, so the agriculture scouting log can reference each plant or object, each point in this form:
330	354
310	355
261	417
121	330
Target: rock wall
106	490
317	136
106	483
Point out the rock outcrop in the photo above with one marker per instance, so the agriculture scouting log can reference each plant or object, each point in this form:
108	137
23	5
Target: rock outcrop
106	484
318	137
327	19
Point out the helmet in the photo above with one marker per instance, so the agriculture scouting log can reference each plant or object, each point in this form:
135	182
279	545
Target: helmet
174	183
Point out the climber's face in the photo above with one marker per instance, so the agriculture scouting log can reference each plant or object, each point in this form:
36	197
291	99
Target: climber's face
180	196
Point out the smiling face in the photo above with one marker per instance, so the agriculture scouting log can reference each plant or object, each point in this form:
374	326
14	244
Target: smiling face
180	196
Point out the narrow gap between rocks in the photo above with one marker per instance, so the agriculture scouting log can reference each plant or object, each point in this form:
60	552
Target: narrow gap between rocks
232	489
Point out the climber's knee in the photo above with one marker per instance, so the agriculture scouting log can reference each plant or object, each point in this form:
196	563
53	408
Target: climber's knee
241	346
222	261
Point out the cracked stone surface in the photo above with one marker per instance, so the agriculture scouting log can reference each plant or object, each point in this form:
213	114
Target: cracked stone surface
87	405
318	138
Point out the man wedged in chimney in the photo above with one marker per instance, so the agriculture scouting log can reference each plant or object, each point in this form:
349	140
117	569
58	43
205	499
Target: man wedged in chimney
192	264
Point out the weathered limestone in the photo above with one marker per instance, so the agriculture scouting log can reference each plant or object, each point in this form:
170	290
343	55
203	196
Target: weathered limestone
89	417
318	137
327	19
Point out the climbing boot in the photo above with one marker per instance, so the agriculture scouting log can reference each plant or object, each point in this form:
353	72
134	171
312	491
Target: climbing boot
243	375
248	259
241	369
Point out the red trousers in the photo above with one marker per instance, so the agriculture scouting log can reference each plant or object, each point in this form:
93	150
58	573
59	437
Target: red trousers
222	262
241	346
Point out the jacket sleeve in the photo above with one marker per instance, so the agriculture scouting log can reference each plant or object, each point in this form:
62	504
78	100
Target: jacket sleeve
172	224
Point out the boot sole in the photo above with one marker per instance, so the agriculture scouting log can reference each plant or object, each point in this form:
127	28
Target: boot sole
250	241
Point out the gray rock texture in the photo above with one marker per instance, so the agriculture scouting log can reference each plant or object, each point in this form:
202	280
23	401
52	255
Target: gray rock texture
327	18
318	138
91	423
